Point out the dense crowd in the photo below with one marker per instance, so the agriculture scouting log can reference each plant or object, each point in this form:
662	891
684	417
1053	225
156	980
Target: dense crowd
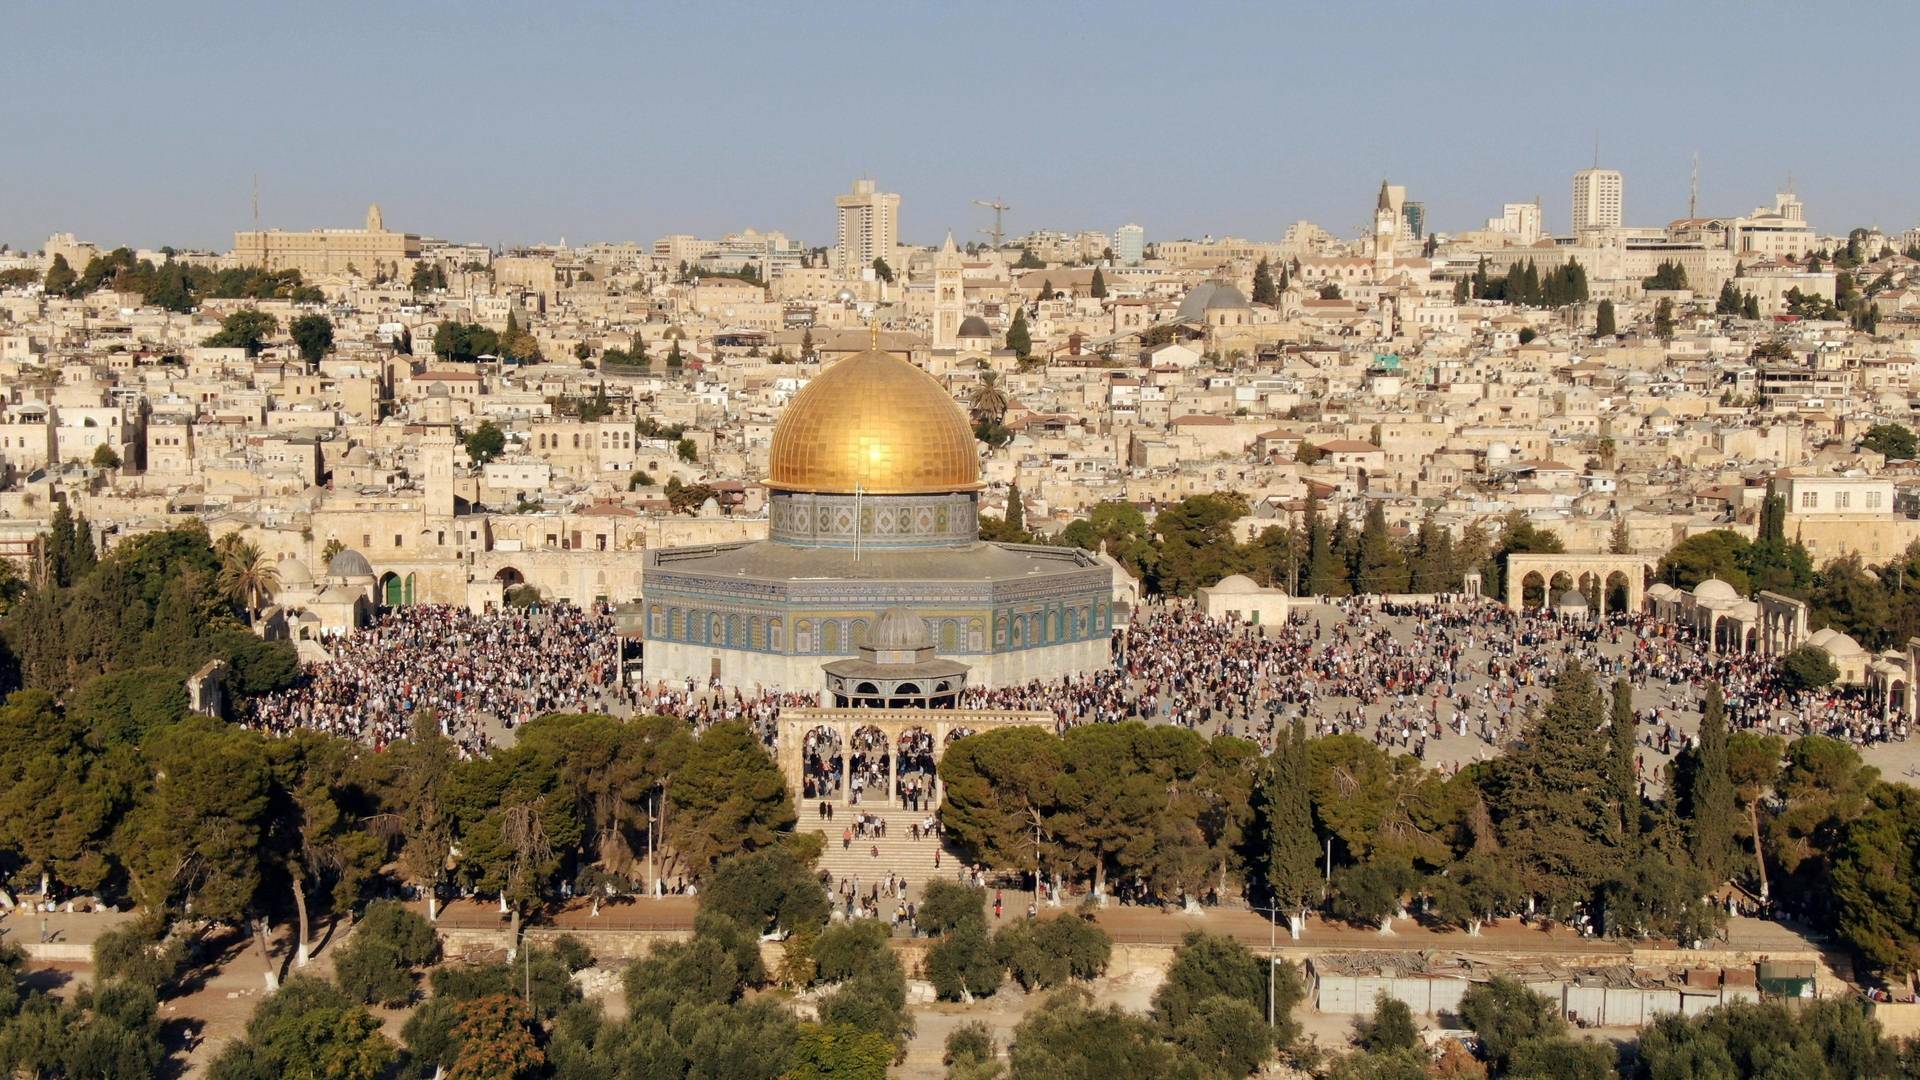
1472	670
509	665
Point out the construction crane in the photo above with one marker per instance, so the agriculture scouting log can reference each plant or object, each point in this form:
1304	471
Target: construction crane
999	208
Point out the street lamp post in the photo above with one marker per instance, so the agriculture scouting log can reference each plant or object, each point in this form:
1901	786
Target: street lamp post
1273	947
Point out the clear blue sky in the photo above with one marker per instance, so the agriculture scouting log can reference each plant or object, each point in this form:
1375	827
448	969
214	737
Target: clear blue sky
143	123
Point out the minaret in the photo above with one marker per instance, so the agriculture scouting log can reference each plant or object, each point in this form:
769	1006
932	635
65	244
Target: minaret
949	295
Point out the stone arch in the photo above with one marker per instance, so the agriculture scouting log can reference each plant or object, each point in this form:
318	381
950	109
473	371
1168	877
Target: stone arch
1533	590
822	763
509	577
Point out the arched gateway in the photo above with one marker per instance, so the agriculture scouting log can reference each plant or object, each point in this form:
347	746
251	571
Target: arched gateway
895	715
1606	581
837	739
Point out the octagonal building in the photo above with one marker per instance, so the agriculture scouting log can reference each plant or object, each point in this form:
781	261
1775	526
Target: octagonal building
873	507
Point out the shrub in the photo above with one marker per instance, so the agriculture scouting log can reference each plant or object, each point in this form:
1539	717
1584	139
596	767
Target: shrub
1047	953
140	952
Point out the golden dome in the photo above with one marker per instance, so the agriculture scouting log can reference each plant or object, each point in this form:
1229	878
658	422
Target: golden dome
877	421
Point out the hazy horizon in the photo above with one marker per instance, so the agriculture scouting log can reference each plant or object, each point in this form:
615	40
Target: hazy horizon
145	125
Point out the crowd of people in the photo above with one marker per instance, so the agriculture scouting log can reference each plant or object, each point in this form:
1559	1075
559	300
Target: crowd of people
508	665
1403	674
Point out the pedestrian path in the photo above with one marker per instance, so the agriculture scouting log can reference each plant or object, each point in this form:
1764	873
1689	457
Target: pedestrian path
897	852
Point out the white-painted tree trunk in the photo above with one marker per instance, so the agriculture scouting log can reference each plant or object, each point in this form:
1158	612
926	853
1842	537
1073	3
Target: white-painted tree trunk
261	929
1473	927
1296	925
1386	924
433	905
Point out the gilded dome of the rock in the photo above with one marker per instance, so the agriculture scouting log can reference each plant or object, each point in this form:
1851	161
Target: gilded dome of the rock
878	422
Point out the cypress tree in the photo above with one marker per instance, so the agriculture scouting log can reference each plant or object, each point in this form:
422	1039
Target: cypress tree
60	547
83	558
1264	291
1712	796
1016	511
1341	553
1098	289
1017	337
1551	801
1750	307
1621	777
1325	576
1291	847
1379	567
1603	320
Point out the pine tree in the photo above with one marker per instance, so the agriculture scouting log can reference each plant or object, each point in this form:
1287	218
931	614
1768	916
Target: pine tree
1603	319
1264	291
1711	793
1017	337
1622	777
1291	847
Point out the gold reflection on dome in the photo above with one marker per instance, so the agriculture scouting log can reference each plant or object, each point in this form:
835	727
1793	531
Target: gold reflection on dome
876	421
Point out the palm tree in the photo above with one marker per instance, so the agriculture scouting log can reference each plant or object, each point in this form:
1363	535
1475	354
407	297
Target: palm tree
247	577
988	399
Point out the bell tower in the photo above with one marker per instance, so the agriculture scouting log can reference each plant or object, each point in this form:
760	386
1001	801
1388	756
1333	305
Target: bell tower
1386	231
949	295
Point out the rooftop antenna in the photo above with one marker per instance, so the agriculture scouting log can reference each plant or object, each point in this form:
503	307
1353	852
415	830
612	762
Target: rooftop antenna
1693	188
999	208
1596	149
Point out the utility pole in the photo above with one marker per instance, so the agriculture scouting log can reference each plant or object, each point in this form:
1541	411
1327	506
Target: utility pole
999	208
1273	948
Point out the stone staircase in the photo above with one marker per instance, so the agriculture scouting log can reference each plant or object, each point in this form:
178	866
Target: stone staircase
899	852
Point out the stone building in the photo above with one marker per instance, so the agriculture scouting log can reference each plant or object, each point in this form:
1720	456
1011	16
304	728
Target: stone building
874	505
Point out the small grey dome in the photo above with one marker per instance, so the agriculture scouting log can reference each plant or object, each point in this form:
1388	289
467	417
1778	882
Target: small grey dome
973	326
1211	296
899	630
349	563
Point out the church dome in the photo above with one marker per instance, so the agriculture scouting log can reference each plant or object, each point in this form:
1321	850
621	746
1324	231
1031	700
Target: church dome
878	422
973	326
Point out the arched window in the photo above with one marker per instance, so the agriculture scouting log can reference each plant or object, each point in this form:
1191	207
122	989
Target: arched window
678	628
733	632
656	621
830	637
859	632
776	636
949	636
716	630
803	636
757	633
976	636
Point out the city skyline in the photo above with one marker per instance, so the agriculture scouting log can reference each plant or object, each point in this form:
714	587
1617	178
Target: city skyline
1234	121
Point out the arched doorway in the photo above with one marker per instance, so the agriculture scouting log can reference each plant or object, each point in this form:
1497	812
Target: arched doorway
820	763
867	765
1533	591
914	767
509	577
393	591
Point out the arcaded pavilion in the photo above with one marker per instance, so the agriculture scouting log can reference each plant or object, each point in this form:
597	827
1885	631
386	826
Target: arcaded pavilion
874	505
